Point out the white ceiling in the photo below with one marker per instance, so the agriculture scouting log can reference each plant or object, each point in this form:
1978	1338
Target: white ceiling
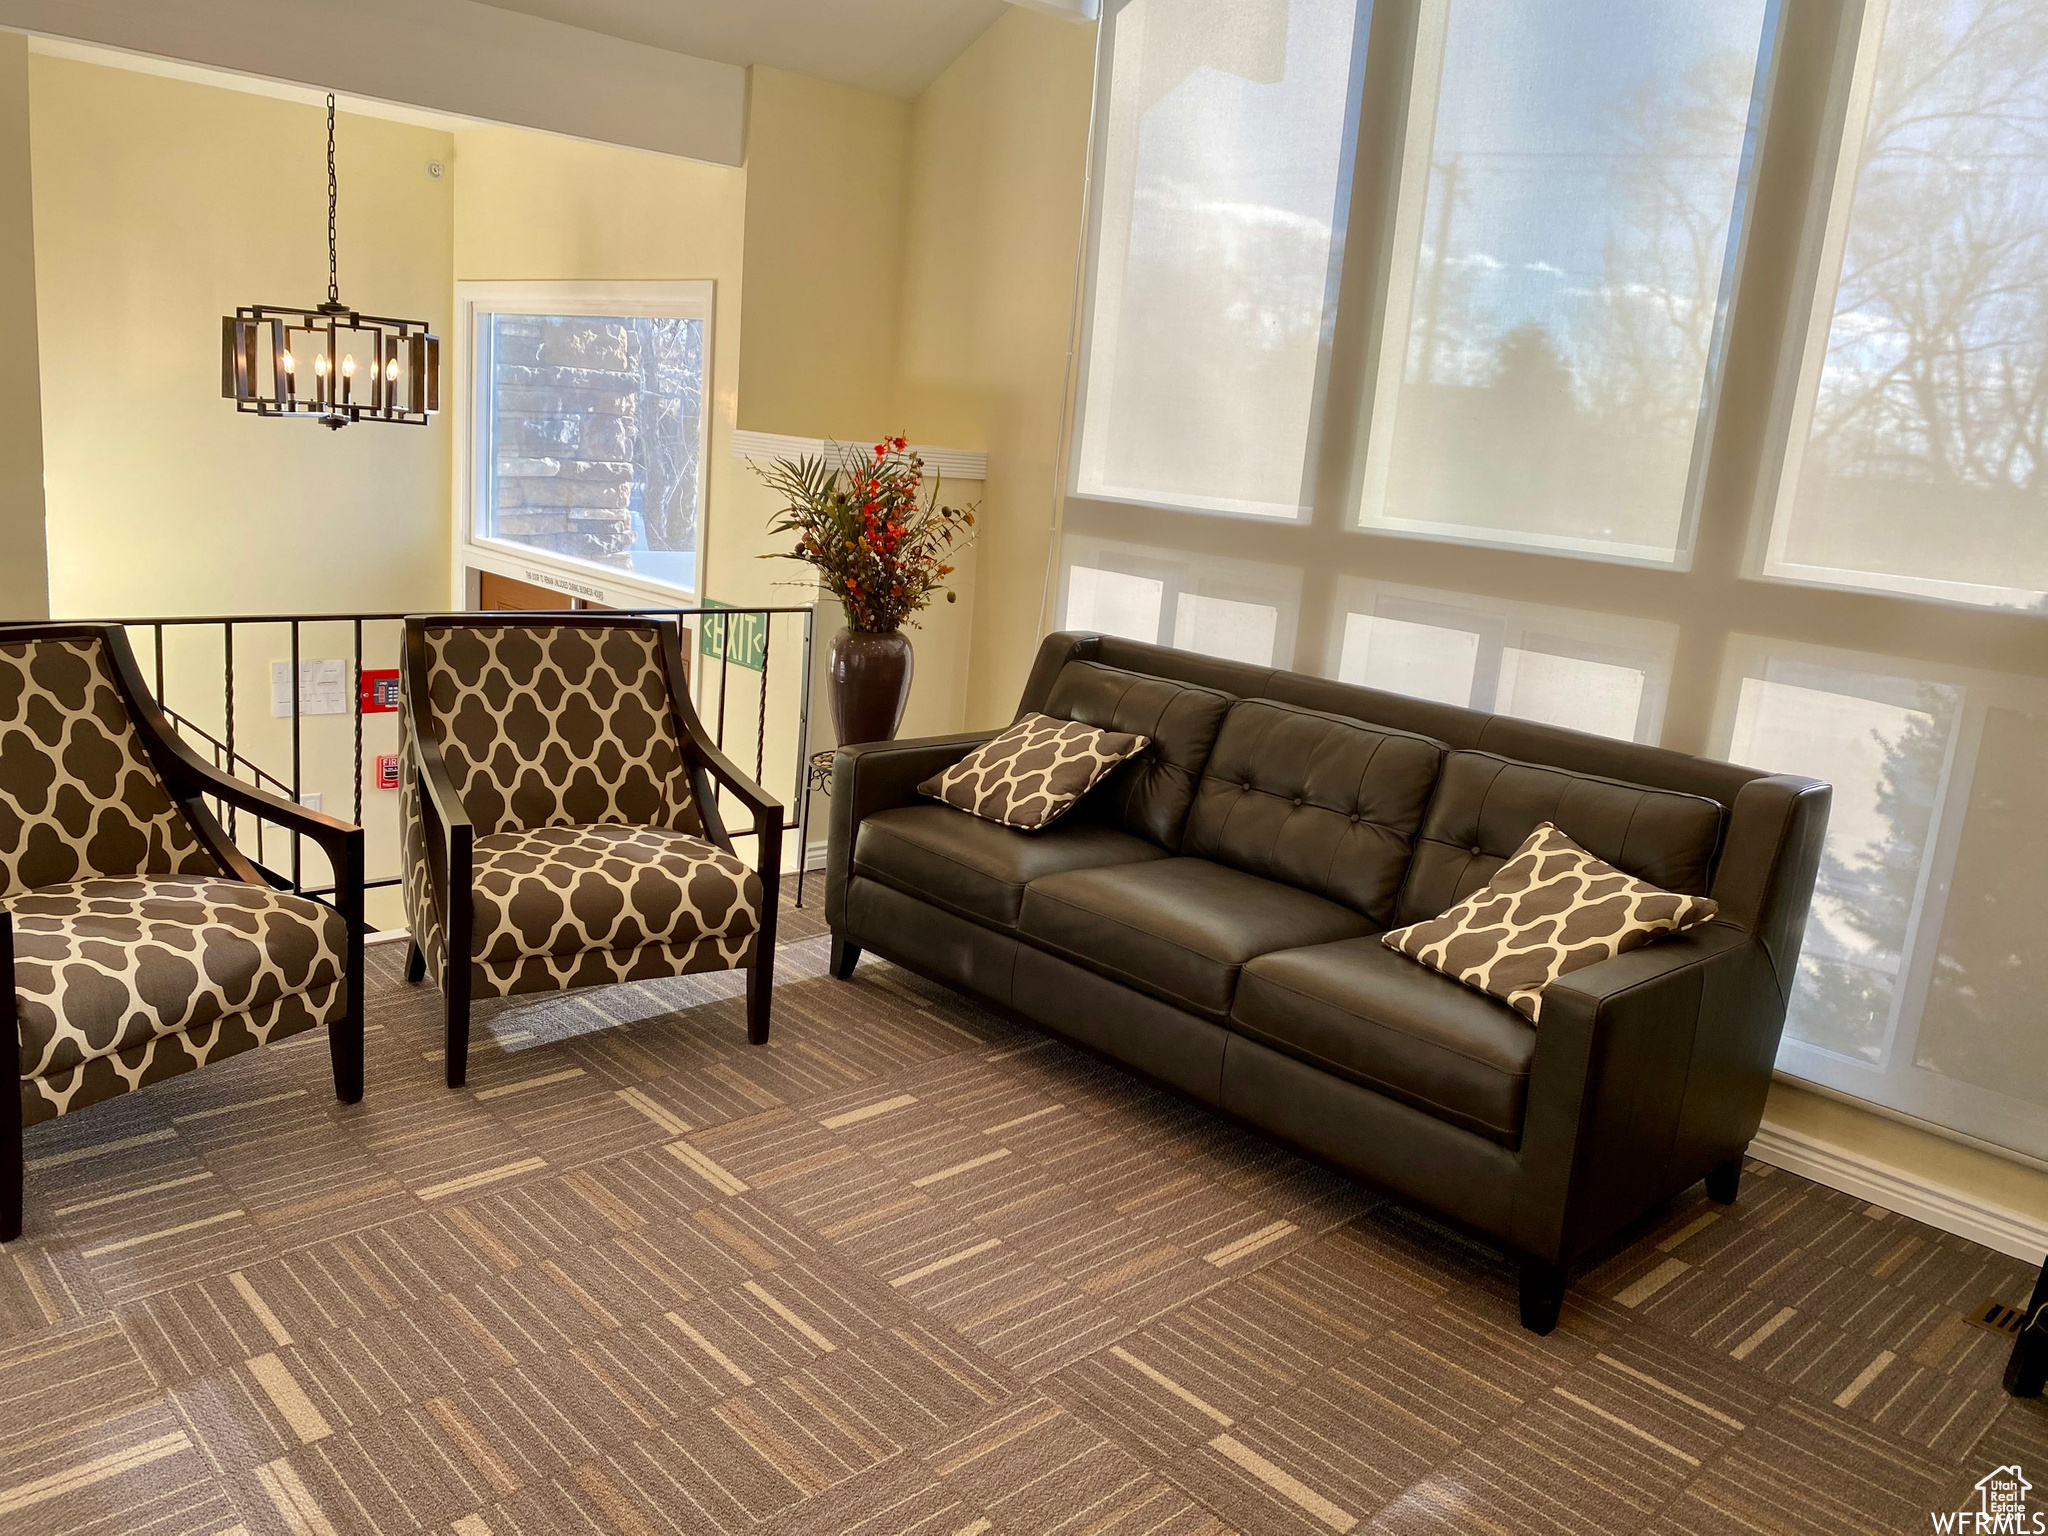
897	47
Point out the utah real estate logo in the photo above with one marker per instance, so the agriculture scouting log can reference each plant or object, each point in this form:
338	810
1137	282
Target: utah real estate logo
2001	1508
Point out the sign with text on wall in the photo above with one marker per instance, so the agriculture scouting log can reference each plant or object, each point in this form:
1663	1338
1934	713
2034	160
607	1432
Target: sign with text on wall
749	637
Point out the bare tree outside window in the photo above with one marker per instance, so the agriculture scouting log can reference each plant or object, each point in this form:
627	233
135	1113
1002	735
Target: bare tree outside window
1928	454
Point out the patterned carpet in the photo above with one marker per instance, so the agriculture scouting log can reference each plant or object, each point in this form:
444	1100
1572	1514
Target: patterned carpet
909	1269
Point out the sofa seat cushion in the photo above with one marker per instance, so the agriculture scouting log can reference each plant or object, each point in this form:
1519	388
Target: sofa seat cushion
1364	1012
978	868
1180	929
107	966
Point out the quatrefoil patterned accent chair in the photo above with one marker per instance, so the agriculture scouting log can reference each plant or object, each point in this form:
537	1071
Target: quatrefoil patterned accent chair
137	941
561	828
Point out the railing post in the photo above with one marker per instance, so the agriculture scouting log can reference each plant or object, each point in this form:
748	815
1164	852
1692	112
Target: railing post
227	630
356	683
761	714
298	797
803	763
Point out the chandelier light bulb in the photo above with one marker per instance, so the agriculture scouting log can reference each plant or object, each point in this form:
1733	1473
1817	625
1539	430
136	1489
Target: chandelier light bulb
284	360
320	365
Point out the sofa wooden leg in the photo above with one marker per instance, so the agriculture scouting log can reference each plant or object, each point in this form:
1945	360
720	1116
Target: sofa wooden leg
415	964
455	989
845	956
1542	1295
760	995
1724	1181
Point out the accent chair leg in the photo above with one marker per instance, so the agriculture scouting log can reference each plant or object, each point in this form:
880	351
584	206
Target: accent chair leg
11	1116
1724	1181
845	956
2026	1372
1542	1295
345	1049
415	964
10	1168
760	994
455	990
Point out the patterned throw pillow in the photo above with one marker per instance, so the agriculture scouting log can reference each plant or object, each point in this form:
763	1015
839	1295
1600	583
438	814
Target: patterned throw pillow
1549	910
1034	772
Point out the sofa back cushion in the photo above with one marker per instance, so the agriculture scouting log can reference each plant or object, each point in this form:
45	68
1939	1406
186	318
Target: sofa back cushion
1315	801
1485	806
1149	795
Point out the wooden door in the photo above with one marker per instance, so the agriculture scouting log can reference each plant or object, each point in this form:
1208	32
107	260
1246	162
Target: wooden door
503	594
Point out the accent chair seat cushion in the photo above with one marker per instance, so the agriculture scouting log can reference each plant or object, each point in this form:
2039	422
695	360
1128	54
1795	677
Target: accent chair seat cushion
978	868
568	890
1364	1012
102	967
1180	929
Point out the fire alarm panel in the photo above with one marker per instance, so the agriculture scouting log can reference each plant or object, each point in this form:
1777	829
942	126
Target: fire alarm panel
379	690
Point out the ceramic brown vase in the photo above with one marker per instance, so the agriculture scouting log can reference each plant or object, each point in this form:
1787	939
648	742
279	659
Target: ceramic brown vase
870	684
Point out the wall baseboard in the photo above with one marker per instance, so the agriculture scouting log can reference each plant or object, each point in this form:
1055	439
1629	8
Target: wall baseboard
1995	1226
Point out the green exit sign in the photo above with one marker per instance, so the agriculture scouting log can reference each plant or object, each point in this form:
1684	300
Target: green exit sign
748	632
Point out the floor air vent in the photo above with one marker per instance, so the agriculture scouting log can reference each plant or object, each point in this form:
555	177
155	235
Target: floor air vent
1996	1317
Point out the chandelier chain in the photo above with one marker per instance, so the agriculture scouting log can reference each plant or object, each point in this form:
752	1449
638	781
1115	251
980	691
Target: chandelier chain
333	192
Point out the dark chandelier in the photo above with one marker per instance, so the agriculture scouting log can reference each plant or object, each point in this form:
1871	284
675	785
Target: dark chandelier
330	363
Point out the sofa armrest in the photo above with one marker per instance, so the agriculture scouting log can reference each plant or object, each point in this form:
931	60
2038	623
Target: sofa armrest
1650	1071
876	776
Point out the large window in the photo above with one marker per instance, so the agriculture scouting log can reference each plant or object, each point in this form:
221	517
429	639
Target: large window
1568	191
1222	180
1919	981
1593	362
1918	459
1589	671
1238	609
586	426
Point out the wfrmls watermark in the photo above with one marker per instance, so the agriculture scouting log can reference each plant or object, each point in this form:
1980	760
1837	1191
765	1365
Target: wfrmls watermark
2001	1508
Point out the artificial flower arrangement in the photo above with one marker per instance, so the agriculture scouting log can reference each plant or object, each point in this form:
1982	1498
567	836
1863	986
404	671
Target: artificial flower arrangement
878	542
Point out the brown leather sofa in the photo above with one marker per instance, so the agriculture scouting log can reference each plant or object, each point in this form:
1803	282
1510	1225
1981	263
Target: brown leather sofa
1209	915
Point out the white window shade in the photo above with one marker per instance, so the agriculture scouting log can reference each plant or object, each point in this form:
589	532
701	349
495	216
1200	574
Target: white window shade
1562	252
1918	459
1236	609
1921	973
1558	666
1219	183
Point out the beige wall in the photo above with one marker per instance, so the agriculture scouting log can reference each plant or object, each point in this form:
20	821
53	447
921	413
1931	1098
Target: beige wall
825	182
997	153
24	579
160	205
531	206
